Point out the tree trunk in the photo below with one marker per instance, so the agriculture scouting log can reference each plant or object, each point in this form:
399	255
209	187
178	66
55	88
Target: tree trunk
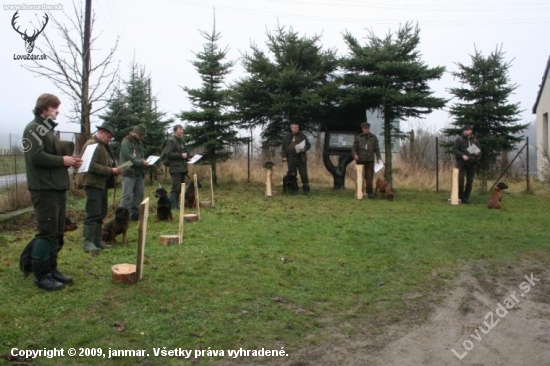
338	172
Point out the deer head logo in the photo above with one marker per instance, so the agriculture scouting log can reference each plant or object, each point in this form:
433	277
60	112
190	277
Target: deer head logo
29	40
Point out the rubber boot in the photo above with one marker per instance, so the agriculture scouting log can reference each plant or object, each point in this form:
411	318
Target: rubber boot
56	275
43	277
97	239
174	201
89	242
307	190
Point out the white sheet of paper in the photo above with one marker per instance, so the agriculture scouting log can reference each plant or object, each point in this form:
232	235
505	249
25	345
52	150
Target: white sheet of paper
125	165
300	146
378	166
87	158
473	149
194	159
152	159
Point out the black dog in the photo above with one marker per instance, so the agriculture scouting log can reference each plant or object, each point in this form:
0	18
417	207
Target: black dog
116	226
190	197
290	183
164	206
25	260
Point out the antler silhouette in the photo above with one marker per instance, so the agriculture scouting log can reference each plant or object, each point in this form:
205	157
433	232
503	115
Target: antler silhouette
29	40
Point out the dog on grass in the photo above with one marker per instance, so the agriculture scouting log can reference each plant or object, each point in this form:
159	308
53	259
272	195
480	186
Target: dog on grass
25	259
383	189
190	199
164	206
290	183
118	225
496	196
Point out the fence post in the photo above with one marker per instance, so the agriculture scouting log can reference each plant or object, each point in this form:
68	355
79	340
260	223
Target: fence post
437	164
527	158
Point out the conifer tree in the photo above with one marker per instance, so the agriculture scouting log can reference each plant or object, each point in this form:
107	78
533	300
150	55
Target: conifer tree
211	126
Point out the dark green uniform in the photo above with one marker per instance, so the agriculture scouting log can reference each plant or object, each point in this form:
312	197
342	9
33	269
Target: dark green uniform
47	182
365	146
174	149
297	161
133	185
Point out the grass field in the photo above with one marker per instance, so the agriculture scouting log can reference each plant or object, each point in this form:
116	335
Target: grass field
282	272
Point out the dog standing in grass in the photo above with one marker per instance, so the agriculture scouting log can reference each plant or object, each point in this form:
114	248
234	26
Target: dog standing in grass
118	225
164	206
496	196
383	189
290	183
190	196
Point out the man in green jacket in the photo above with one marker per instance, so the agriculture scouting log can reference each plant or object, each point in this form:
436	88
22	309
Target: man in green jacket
294	148
365	148
48	183
133	185
177	156
102	168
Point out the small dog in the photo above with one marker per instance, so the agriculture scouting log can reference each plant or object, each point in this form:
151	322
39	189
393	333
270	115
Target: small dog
118	225
190	199
496	196
383	189
164	206
290	183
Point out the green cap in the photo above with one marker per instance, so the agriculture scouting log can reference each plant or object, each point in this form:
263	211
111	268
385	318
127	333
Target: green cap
107	126
140	130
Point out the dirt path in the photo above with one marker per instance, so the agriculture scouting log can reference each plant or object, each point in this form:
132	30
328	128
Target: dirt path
520	333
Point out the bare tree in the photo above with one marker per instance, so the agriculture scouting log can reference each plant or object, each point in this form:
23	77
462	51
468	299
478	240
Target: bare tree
65	67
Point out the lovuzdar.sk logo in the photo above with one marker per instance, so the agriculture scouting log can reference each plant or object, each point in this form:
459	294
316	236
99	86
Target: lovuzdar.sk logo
29	40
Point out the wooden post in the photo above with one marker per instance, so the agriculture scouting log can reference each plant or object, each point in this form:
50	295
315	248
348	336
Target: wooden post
269	182
359	181
211	189
182	208
197	200
454	187
142	233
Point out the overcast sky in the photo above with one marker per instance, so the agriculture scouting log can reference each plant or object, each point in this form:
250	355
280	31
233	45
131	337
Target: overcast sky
164	35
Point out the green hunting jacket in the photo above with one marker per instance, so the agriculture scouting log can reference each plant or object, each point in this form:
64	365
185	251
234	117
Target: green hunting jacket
174	148
100	166
131	149
43	157
366	147
288	147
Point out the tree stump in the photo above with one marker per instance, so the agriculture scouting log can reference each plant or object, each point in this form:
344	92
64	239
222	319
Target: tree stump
191	217
124	273
169	240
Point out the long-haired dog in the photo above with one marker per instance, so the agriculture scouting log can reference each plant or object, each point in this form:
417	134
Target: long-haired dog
25	259
496	196
190	199
290	183
118	225
164	206
383	189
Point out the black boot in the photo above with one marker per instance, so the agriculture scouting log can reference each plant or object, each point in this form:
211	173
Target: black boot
307	190
43	277
56	275
174	201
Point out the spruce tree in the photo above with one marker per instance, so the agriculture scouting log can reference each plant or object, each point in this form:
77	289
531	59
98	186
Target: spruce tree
211	126
389	74
483	103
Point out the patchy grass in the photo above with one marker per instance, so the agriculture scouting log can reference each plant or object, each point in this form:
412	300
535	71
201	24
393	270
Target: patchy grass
263	272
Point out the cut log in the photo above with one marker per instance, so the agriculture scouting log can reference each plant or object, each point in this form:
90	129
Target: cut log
191	217
269	182
124	273
359	182
454	188
169	240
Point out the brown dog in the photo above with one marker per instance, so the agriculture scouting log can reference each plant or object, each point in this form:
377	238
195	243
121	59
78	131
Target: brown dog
383	189
118	225
496	196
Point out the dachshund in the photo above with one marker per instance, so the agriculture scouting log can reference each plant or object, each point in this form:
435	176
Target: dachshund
496	196
118	225
164	206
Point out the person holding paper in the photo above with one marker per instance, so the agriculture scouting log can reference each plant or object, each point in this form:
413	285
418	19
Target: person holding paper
47	163
133	184
97	180
178	157
467	151
294	148
364	149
